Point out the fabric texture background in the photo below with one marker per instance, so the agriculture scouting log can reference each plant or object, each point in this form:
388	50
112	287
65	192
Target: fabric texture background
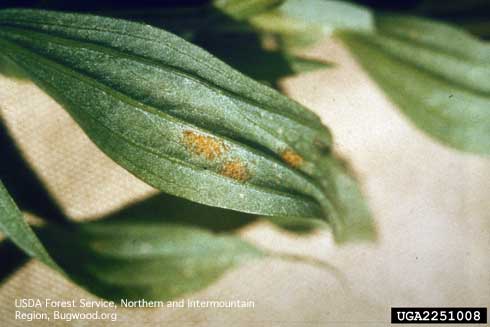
430	203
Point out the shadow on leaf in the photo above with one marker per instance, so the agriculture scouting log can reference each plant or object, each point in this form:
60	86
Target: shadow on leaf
165	208
139	258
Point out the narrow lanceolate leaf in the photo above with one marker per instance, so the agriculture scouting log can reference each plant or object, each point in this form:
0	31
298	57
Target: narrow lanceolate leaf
438	75
159	249
137	258
182	120
13	225
132	255
234	41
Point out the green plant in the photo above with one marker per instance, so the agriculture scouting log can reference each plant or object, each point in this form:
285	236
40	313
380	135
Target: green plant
193	127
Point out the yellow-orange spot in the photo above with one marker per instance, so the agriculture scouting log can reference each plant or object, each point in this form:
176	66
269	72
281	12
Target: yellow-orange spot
202	145
235	169
292	158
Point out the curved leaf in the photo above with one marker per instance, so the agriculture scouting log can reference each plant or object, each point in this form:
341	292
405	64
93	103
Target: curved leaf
180	119
438	75
329	15
160	248
233	41
134	255
300	23
171	210
13	225
138	258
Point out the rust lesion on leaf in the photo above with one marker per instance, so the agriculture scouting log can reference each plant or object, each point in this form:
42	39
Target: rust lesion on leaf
235	169
292	158
206	146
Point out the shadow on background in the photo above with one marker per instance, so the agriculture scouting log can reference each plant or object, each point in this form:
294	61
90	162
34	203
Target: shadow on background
99	256
12	258
29	193
238	45
22	182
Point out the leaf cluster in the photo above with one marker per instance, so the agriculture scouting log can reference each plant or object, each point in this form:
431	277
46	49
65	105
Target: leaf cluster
180	97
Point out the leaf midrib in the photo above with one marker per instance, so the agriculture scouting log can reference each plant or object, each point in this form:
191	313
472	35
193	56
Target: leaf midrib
293	194
150	61
68	42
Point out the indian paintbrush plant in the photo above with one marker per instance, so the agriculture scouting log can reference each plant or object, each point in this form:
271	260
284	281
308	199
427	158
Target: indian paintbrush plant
220	141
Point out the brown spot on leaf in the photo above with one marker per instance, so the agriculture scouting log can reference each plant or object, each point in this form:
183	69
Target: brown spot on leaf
202	145
235	169
292	158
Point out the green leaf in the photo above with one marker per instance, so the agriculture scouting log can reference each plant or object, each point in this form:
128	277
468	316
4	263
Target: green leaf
171	210
134	254
13	225
180	119
243	9
469	15
235	42
298	225
138	258
159	249
329	15
11	69
438	75
187	22
299	23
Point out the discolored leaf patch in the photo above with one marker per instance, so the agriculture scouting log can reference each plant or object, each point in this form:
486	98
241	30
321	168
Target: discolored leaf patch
235	169
292	158
202	145
201	137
